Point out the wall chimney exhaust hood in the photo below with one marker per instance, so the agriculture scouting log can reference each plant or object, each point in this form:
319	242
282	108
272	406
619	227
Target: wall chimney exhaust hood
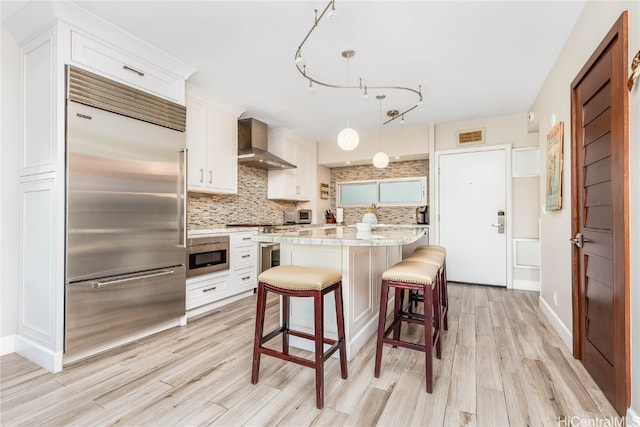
252	147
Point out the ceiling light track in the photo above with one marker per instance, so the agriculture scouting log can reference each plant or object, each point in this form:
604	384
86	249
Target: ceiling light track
329	10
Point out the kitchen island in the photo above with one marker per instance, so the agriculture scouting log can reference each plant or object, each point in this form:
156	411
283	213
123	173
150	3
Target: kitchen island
361	257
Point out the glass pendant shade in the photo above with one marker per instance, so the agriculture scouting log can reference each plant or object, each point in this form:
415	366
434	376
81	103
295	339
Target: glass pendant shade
380	159
348	139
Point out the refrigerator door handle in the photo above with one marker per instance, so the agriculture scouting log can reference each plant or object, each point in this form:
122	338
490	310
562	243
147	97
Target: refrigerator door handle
182	200
97	284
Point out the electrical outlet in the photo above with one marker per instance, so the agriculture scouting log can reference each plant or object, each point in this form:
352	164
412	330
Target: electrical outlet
555	298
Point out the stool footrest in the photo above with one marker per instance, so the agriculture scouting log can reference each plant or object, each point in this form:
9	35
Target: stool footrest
271	335
405	344
310	336
288	357
335	345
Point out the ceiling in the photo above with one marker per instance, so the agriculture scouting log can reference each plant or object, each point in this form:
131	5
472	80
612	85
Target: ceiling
473	59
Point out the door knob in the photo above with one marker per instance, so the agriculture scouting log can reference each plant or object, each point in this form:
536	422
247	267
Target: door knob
579	240
500	224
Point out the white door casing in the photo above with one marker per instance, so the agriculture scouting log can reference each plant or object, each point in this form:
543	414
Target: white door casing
473	186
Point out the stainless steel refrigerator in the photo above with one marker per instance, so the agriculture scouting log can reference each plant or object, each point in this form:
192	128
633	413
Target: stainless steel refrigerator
125	218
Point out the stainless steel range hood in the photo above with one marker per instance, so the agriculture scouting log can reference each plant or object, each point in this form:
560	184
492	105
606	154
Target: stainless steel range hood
252	147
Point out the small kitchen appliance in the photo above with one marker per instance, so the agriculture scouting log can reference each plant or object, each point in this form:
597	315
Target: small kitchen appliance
422	214
300	216
207	254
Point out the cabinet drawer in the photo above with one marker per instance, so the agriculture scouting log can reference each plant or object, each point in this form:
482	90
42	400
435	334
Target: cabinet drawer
241	239
125	68
244	256
205	291
246	278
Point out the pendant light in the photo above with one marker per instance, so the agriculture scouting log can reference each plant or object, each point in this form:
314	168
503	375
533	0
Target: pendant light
348	138
380	159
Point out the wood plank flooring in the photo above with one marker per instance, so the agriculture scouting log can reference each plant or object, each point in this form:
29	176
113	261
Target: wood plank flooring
502	364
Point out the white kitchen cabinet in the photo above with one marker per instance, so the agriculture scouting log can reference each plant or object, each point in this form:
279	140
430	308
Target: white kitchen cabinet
210	291
212	144
206	289
40	74
39	310
119	65
243	261
292	184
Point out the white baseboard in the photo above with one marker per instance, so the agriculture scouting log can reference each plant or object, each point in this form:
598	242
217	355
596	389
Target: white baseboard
565	334
633	419
48	359
526	285
7	345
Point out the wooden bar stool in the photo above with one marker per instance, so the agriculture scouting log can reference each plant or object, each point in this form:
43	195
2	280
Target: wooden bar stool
437	254
297	281
411	275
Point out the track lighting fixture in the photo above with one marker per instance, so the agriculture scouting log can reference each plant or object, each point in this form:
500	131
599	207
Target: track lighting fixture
332	16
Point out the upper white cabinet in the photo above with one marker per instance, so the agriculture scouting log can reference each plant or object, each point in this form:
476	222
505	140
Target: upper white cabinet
40	74
212	144
292	184
119	65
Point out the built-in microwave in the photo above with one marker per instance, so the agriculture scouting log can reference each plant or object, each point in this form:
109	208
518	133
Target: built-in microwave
300	216
207	254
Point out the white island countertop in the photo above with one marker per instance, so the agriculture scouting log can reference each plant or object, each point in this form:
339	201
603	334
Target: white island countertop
381	235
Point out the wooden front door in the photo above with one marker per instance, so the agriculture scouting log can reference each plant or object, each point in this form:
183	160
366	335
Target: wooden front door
600	217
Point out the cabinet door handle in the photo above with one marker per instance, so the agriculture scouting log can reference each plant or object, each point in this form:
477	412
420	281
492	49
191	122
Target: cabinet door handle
246	256
246	238
210	177
246	278
210	289
133	70
201	175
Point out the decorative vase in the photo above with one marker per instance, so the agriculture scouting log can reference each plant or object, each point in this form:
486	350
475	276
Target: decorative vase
370	217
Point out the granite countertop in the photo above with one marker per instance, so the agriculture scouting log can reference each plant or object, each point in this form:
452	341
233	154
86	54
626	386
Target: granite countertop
381	235
221	230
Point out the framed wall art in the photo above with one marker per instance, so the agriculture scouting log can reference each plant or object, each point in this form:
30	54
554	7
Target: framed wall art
554	168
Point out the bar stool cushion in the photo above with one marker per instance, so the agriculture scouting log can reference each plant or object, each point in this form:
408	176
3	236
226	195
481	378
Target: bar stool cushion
433	257
412	272
295	277
437	248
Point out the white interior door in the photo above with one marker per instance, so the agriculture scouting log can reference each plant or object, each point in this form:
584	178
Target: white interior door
472	192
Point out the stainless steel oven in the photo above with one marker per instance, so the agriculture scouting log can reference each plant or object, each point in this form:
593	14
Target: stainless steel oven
207	254
269	256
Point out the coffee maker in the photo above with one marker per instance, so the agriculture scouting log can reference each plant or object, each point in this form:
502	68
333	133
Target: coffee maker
422	214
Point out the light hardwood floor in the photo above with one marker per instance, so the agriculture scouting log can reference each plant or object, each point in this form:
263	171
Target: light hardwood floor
502	364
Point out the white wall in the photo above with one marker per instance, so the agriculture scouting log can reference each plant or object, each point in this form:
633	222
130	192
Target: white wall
407	143
555	227
9	113
512	130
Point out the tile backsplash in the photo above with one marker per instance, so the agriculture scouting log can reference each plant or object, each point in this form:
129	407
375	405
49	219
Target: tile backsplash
385	215
249	206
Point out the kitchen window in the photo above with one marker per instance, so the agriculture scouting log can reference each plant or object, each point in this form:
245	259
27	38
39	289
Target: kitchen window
383	192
